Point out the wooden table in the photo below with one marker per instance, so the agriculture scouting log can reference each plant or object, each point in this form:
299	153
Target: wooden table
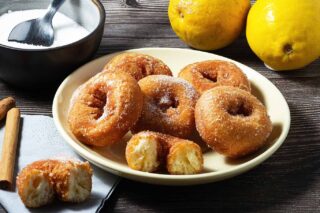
289	181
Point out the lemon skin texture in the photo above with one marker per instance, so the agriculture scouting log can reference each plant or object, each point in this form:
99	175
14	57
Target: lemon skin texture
285	34
208	24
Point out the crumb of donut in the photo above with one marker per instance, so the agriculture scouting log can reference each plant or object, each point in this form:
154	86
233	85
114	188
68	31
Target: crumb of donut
72	181
147	151
34	187
142	153
184	158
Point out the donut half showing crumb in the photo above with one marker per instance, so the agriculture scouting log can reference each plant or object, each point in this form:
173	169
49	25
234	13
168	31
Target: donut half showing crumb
72	181
184	158
35	188
144	152
150	151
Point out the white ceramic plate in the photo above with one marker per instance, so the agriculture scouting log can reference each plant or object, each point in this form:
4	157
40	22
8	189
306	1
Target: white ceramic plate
217	167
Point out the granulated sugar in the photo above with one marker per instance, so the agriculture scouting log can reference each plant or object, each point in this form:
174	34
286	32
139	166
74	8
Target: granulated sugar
66	30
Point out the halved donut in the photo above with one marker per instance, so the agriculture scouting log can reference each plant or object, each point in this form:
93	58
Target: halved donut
70	180
35	187
149	151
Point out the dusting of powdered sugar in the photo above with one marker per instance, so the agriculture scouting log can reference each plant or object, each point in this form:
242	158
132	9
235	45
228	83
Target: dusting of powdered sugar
165	100
170	89
169	81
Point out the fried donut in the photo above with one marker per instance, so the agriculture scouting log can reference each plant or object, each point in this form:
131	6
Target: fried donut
184	158
168	106
35	187
105	108
137	65
212	73
232	121
147	151
70	180
144	152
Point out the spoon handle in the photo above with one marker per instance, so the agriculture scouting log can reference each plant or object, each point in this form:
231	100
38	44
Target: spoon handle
52	9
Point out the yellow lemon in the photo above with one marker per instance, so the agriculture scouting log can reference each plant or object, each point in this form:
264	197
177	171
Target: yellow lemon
285	34
208	24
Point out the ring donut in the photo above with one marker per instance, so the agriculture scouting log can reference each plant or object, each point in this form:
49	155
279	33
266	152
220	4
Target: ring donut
137	65
232	121
148	151
105	108
168	106
212	73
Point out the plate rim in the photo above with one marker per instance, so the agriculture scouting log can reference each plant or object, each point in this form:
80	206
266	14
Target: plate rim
165	179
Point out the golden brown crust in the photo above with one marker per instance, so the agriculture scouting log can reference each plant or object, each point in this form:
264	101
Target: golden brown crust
137	65
168	106
105	108
212	73
232	121
70	180
179	155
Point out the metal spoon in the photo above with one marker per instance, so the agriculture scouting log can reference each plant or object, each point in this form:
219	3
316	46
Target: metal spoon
37	31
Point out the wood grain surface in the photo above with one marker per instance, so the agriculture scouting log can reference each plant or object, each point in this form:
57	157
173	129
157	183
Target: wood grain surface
289	181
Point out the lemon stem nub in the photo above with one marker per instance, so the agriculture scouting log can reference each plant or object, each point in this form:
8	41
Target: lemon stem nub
288	49
180	13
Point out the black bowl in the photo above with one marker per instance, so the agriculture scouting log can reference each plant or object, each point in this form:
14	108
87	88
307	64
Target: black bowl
36	68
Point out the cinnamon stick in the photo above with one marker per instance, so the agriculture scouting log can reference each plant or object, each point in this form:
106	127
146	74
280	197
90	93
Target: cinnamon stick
9	147
5	105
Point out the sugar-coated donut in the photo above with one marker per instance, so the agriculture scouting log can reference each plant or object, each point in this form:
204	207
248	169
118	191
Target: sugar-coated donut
149	151
105	108
168	106
138	65
35	187
212	73
40	181
232	121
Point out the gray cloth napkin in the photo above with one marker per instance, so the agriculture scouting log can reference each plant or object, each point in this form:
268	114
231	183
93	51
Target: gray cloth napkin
39	139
